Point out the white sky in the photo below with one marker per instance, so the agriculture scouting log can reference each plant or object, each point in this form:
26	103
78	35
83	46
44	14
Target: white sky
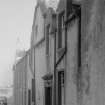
16	17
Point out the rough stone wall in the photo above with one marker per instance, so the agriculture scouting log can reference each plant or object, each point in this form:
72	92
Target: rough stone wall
40	57
71	65
40	71
20	82
93	48
15	85
39	22
52	53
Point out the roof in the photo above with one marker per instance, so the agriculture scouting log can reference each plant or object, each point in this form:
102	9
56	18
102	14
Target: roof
49	13
51	10
61	5
42	6
51	19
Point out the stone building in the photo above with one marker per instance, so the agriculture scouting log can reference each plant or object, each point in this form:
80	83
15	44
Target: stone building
84	59
68	44
24	81
66	58
42	41
38	46
93	46
30	97
56	53
20	82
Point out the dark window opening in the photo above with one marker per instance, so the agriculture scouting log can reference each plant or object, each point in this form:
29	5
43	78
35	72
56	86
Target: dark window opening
48	89
61	88
36	30
48	96
60	29
47	39
29	97
33	90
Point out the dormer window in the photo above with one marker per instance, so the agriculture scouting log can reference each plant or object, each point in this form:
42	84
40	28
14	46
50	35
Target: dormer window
61	30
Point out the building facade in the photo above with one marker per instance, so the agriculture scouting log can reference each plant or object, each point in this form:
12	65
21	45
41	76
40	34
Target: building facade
20	82
38	46
93	52
65	63
30	97
84	59
48	78
24	81
43	31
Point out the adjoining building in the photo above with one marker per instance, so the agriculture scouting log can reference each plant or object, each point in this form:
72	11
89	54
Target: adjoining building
20	82
23	81
39	46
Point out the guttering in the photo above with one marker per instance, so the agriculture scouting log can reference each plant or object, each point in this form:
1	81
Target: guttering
54	98
73	16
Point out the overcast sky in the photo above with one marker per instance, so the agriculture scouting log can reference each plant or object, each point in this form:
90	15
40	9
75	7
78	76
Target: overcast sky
16	17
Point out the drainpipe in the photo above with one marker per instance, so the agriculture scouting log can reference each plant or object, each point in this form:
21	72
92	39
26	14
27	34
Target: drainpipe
68	4
79	72
34	80
54	99
25	72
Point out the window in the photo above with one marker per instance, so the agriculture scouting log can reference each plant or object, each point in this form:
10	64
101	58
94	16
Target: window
48	89
62	21
48	95
61	88
47	39
29	97
61	30
33	90
36	30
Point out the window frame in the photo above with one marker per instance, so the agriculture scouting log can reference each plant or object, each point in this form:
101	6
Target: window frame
60	86
48	78
61	28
